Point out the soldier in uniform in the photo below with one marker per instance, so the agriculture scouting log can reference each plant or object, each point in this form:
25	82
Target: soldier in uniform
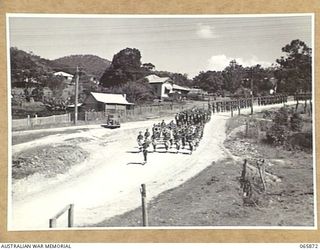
146	134
163	124
153	141
166	138
190	141
139	140
177	137
145	146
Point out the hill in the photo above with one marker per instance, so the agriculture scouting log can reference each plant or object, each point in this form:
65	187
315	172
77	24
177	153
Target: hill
91	64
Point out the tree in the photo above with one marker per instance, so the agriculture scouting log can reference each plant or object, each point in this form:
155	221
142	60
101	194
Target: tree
295	71
148	66
125	67
24	69
211	81
136	92
233	76
55	83
262	79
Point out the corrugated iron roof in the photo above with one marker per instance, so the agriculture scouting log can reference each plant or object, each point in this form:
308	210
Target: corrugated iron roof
178	87
157	79
61	73
110	98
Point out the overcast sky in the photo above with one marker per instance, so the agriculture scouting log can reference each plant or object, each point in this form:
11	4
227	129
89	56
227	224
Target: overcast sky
185	45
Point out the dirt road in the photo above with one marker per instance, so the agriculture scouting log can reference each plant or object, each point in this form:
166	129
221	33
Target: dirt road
108	182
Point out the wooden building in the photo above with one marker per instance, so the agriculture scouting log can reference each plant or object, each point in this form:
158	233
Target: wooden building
109	103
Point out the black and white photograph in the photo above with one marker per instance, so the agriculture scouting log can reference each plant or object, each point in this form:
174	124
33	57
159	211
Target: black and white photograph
161	121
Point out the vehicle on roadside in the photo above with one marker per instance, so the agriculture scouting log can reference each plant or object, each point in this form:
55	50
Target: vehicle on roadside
112	122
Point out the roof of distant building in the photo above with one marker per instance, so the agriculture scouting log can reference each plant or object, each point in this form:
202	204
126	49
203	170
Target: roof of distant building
157	79
178	87
111	98
61	73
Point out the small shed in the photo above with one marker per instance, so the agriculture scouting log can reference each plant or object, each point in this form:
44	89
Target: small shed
109	103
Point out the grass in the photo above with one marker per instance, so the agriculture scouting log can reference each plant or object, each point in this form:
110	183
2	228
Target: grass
47	160
17	139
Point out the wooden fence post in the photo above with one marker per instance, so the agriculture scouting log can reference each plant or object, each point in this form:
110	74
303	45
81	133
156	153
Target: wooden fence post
262	173
247	128
305	105
70	209
70	215
144	205
244	170
310	101
52	223
28	121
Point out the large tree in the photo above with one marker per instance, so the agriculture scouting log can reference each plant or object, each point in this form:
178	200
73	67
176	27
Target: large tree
136	92
233	76
211	81
262	79
125	67
295	68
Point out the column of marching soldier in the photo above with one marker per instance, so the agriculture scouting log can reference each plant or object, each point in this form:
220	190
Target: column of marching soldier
228	105
185	132
187	129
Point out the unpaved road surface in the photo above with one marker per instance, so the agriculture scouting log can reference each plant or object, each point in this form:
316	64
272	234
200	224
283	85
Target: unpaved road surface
107	183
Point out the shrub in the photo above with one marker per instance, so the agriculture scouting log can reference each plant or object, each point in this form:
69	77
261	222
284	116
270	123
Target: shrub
266	114
301	140
277	134
296	122
286	131
282	117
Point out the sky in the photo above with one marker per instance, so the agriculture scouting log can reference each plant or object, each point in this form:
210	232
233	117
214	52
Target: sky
176	43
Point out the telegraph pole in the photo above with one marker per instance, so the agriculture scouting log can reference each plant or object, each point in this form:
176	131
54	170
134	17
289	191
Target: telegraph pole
251	71
76	97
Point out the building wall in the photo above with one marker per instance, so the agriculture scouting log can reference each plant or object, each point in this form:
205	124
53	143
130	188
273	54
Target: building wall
157	88
166	88
116	109
91	104
160	89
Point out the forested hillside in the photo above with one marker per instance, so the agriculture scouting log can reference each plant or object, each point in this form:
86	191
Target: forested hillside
91	64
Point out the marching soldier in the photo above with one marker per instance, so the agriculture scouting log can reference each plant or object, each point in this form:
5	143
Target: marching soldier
153	141
145	146
146	134
139	140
